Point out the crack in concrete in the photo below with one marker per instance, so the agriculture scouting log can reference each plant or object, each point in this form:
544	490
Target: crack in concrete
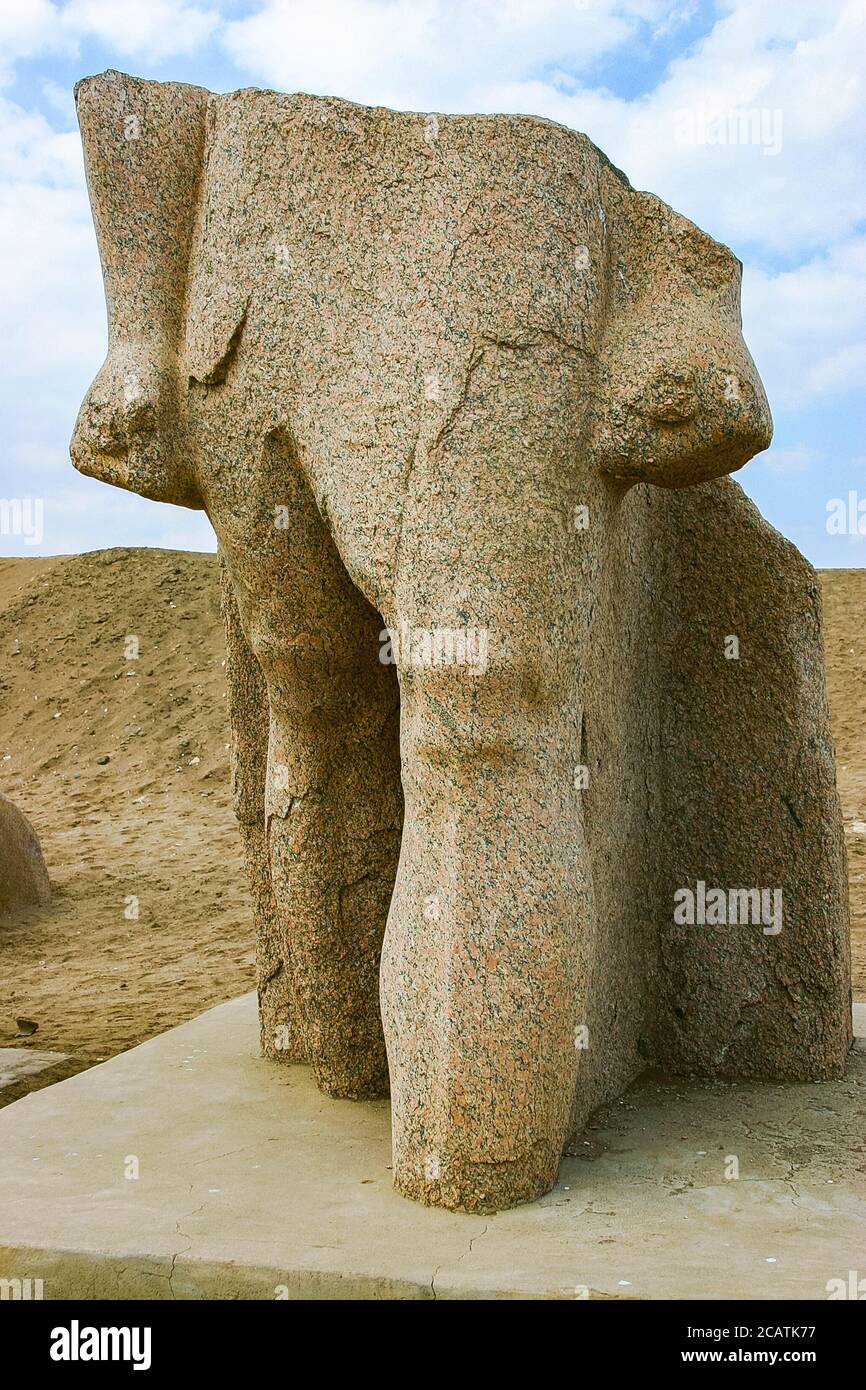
214	1158
467	1251
176	1255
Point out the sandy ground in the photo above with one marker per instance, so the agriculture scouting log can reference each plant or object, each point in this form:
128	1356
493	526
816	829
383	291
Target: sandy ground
845	649
152	824
151	830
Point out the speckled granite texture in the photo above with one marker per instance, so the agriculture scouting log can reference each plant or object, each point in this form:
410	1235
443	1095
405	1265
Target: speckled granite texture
434	380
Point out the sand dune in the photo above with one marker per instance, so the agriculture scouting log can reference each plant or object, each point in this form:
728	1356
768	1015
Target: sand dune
845	649
153	823
151	828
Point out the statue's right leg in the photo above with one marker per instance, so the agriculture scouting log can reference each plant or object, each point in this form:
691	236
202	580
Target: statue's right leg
249	723
332	799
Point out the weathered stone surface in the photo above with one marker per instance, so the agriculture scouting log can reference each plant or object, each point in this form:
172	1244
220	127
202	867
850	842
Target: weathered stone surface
713	769
23	876
413	367
748	787
249	722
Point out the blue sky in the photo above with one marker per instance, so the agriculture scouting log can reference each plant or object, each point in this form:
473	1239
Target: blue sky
746	115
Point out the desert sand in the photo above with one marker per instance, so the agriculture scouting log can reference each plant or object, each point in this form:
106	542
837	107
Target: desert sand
845	652
121	764
152	823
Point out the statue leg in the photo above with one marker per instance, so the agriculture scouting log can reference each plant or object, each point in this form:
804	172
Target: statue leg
332	799
486	955
249	720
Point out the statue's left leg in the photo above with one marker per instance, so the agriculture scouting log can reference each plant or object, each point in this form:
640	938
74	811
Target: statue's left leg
486	954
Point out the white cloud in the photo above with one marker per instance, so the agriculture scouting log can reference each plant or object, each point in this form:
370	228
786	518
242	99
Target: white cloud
51	302
52	320
27	27
432	53
806	327
796	459
150	29
31	150
787	76
60	100
145	28
844	370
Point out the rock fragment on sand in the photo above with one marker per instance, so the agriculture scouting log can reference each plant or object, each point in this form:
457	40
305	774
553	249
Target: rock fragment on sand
23	875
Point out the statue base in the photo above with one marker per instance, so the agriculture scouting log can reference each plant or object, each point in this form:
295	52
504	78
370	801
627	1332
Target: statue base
251	1184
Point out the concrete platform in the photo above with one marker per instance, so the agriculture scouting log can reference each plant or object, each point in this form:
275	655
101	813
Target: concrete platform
252	1185
16	1063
